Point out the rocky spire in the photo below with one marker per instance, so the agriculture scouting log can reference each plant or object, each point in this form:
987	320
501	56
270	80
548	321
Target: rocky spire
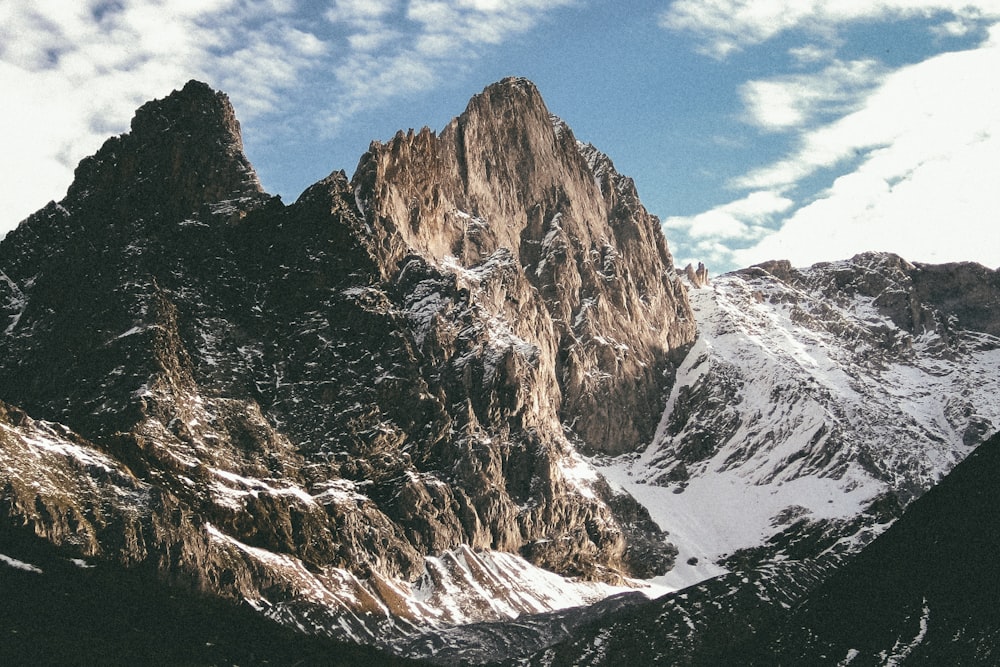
697	277
592	282
182	152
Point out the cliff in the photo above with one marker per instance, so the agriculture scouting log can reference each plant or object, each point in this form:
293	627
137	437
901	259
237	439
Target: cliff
353	406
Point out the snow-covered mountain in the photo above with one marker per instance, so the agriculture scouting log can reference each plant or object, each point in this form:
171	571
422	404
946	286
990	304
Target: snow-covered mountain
813	393
358	413
817	404
456	405
921	594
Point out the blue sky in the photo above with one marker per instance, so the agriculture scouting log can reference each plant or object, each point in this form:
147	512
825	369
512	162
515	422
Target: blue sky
755	129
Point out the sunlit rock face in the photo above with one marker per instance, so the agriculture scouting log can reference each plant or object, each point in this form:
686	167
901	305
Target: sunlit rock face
305	405
587	278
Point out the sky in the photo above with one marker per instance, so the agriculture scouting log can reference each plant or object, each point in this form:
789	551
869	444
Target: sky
807	130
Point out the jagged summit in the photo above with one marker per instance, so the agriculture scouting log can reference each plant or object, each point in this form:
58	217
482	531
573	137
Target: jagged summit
499	161
183	151
502	180
364	406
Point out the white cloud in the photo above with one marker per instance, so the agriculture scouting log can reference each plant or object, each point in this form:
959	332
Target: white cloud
928	141
811	53
946	209
726	26
741	220
909	156
360	11
919	111
793	101
73	73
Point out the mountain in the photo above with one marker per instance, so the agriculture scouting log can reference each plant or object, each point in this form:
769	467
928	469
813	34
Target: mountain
361	413
922	593
460	405
814	396
816	405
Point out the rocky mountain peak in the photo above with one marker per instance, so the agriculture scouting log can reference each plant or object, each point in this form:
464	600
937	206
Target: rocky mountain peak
512	94
183	151
493	171
398	366
507	183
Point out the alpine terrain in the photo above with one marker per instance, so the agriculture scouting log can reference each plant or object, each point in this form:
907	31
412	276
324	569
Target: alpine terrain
460	407
815	406
362	414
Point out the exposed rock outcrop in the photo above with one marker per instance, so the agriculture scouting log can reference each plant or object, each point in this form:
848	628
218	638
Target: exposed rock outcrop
395	367
697	277
507	183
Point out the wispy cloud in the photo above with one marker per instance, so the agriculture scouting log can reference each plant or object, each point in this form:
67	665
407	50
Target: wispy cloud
738	219
726	26
794	101
712	235
880	158
918	111
400	47
73	73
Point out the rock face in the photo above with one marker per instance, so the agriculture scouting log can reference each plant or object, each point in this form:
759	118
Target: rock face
95	612
310	406
811	395
923	593
507	187
697	277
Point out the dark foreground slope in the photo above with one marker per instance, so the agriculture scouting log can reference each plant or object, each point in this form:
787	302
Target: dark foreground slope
924	593
57	611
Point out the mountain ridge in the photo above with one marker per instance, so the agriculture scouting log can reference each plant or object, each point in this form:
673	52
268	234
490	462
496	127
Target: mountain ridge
460	392
813	394
326	412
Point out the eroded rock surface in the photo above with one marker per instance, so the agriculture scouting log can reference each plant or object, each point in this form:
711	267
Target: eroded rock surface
302	404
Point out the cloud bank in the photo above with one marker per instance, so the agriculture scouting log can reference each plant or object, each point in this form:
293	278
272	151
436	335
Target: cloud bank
902	160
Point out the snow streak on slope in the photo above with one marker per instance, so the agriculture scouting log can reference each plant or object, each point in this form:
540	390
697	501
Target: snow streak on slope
798	403
459	587
51	469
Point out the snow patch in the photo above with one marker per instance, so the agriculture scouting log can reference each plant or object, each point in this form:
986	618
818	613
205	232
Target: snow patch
16	303
578	472
19	564
900	651
43	439
253	487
